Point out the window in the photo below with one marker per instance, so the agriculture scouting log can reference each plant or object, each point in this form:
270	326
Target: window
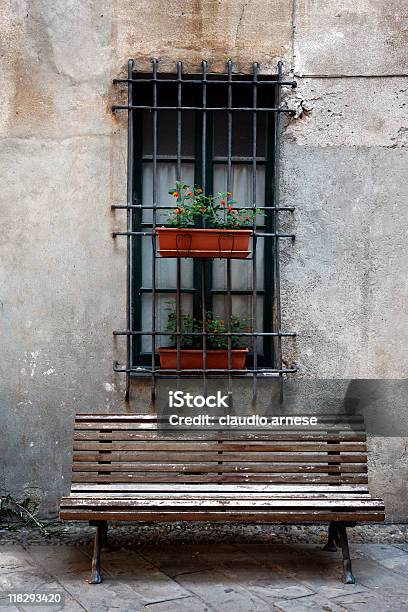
219	132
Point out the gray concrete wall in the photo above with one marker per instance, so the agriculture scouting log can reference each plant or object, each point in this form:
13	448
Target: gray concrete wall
63	160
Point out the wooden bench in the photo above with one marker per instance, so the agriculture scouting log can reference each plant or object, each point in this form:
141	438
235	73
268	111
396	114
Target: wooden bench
126	468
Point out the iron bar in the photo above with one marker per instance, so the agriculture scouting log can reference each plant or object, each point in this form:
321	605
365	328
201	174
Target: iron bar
218	159
178	263
143	207
179	133
267	235
223	334
258	234
204	325
229	190
147	225
260	109
245	373
153	234
204	126
254	237
178	312
166	290
211	81
276	263
204	188
193	290
236	291
129	223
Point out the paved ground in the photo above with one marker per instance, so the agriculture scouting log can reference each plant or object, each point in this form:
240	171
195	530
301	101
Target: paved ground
267	570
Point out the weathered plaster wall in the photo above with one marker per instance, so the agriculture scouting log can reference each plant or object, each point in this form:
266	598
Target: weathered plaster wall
344	167
63	158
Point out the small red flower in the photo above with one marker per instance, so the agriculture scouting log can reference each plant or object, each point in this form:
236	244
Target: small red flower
223	202
175	194
229	207
190	193
203	210
178	211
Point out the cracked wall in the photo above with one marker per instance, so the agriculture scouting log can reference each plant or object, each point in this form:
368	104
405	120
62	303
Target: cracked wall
63	156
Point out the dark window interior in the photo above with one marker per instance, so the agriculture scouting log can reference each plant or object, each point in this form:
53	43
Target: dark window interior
211	156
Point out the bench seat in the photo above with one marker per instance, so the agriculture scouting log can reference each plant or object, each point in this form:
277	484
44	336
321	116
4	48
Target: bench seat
232	505
128	468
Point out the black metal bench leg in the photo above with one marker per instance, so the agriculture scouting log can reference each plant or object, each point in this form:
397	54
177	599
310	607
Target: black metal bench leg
101	528
105	547
342	536
331	540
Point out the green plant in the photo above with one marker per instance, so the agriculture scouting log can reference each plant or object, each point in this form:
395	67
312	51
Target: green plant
187	325
194	208
15	514
214	327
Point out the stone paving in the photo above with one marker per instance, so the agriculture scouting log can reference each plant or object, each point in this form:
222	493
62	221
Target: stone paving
261	572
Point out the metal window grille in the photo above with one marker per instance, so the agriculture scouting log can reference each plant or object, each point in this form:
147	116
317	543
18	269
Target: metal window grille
211	99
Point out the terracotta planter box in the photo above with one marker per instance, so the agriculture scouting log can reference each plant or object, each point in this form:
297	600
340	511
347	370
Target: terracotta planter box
192	359
221	243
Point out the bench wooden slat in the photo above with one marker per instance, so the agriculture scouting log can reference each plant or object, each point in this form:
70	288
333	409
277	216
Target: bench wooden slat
136	426
283	437
201	442
194	456
136	417
197	495
169	502
246	447
240	516
214	467
236	478
215	487
228	488
351	436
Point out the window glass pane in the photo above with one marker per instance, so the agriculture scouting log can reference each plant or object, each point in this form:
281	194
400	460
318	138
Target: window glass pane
241	183
241	134
241	271
167	133
166	269
166	179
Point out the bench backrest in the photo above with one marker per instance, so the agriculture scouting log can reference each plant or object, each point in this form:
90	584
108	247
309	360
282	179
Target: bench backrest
131	453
